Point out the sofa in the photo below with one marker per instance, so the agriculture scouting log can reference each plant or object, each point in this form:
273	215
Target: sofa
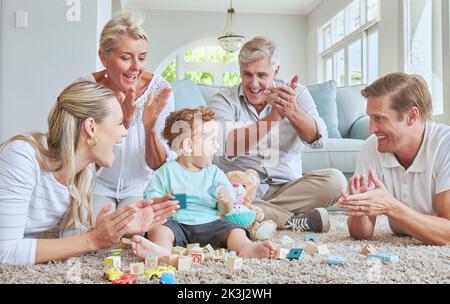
343	109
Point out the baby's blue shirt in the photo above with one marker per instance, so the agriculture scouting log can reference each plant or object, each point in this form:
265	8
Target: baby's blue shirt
201	206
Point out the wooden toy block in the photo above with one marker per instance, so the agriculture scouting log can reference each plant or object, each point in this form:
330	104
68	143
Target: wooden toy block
286	240
151	260
209	248
219	252
171	260
281	253
179	250
385	257
335	261
198	257
137	268
323	250
368	249
234	263
208	256
310	237
117	252
190	246
295	254
197	250
181	197
112	262
125	243
184	263
232	253
310	248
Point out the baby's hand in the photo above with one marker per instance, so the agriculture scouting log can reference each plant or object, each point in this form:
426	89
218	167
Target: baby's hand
225	199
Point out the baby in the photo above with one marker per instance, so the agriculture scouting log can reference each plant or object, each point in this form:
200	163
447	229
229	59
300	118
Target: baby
193	135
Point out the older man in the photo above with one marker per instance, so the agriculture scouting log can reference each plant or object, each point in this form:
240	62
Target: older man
266	123
403	171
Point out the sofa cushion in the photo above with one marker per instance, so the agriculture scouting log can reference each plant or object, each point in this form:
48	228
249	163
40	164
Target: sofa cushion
187	94
351	106
324	95
339	153
208	91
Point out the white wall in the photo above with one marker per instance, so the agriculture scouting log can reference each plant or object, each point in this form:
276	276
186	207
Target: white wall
39	61
171	30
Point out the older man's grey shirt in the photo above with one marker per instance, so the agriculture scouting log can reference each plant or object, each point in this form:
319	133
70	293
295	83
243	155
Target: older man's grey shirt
277	158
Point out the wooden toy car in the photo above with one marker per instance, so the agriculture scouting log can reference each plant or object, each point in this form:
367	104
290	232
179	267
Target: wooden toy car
126	279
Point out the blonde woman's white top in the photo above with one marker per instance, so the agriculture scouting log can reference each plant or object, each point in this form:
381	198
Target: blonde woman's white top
31	201
130	173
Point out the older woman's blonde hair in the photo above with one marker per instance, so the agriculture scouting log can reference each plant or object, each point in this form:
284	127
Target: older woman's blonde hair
126	23
55	150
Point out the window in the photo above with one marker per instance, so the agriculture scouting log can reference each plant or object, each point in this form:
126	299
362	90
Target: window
425	47
205	65
349	50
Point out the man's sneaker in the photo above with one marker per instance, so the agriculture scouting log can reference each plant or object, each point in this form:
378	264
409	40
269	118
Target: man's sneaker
315	220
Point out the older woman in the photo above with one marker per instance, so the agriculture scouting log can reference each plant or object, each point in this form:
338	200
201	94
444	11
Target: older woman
146	101
47	179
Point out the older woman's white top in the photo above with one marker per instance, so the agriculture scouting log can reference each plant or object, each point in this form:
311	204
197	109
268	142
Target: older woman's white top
130	173
31	201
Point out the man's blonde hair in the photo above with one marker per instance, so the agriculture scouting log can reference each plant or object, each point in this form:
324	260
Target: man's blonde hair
257	48
127	23
55	150
406	91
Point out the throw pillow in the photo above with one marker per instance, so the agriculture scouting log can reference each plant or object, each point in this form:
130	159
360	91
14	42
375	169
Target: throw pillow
187	94
324	95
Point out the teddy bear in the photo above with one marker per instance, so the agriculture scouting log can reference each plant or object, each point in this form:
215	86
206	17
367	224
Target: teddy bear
245	185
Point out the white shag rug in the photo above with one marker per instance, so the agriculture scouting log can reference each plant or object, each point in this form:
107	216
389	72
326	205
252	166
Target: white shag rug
417	264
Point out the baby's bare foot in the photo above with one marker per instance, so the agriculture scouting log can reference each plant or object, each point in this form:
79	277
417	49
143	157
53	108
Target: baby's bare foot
141	247
263	250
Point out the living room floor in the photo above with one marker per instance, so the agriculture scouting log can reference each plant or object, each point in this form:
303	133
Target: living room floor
417	264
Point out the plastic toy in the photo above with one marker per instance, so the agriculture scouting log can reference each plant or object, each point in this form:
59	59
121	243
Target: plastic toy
335	261
310	237
295	254
112	274
385	257
126	279
167	278
158	271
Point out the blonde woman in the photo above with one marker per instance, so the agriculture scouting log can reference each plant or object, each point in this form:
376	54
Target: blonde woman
47	179
146	101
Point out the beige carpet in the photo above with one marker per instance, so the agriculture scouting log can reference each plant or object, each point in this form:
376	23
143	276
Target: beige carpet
417	264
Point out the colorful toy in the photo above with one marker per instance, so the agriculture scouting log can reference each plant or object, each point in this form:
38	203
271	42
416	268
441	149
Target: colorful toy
171	260
112	274
295	254
179	250
158	271
181	197
286	241
335	261
151	260
117	252
385	257
167	278
249	180
368	249
125	243
189	247
198	257
137	268
112	262
310	237
209	248
310	248
126	279
281	253
184	263
234	263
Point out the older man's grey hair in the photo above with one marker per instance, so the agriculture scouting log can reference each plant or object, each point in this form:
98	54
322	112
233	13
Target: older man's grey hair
257	48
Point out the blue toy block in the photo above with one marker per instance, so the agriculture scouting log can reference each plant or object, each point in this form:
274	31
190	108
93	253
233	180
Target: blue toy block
181	197
385	257
295	254
310	237
335	261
